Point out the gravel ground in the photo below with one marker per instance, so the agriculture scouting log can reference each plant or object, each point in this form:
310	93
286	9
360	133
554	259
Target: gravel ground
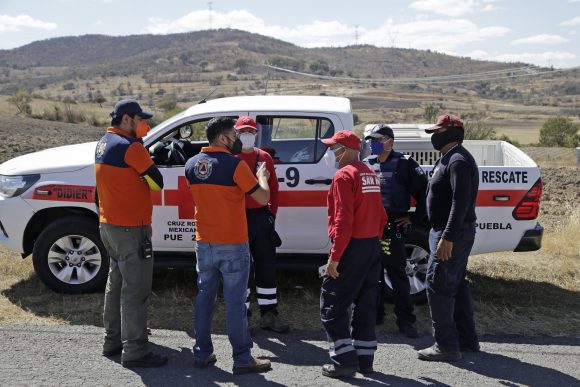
70	356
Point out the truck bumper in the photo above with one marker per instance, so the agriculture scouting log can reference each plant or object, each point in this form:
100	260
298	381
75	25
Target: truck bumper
532	239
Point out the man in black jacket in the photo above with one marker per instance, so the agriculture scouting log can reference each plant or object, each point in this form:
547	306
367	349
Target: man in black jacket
401	178
451	197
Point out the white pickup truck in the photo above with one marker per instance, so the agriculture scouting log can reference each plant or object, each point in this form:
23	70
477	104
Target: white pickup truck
47	198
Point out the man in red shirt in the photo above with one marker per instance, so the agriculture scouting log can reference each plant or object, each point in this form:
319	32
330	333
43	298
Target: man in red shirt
356	219
261	232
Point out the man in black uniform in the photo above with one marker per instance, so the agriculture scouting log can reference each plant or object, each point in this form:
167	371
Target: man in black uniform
401	177
451	196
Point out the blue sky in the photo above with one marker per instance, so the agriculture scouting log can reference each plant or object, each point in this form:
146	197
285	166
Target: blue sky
539	32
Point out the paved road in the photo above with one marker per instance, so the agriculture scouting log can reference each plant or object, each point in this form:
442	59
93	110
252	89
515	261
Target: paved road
41	355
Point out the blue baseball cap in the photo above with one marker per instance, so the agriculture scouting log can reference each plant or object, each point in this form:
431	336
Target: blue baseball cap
129	107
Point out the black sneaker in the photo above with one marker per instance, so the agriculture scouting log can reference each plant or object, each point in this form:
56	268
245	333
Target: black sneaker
433	353
211	359
333	371
410	331
112	352
148	361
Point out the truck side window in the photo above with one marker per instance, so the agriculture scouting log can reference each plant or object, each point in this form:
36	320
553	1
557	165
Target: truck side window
294	140
183	142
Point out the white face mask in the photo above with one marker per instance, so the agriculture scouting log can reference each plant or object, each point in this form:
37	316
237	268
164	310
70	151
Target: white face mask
248	140
330	158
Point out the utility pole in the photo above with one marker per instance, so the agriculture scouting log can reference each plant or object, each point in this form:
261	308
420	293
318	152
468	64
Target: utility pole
356	34
209	7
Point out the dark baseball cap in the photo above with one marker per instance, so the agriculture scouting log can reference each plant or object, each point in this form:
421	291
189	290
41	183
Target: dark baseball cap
344	137
131	108
446	121
379	131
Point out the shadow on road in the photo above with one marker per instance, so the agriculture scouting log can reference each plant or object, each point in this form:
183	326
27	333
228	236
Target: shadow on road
508	370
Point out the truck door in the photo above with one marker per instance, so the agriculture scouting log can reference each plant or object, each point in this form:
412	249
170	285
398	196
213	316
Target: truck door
303	175
173	208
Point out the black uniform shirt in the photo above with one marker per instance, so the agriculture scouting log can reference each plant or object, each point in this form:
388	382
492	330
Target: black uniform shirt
452	192
410	174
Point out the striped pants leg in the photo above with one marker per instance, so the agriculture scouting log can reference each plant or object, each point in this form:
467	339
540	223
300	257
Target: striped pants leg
352	341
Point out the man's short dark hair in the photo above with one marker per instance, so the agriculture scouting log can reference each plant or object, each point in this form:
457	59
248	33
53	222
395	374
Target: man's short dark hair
117	120
217	126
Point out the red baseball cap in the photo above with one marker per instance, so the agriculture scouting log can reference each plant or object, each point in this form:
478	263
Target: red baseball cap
446	121
246	122
344	137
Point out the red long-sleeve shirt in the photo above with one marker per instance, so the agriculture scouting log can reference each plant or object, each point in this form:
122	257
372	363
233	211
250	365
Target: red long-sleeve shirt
250	159
355	209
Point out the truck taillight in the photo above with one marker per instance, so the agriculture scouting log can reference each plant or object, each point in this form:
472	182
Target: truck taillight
529	206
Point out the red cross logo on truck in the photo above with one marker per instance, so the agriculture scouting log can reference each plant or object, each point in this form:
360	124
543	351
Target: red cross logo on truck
180	197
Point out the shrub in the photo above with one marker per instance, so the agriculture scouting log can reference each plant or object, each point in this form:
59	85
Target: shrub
559	131
431	112
167	103
21	99
479	130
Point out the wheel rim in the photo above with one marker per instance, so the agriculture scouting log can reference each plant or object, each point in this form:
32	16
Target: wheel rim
416	268
74	259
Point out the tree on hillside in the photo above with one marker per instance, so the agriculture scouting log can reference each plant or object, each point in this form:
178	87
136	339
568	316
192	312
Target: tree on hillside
242	65
559	131
21	99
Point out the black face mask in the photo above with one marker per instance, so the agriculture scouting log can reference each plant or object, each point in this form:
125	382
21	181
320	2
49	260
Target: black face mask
236	147
439	140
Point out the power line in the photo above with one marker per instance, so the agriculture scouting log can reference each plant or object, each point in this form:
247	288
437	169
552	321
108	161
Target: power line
517	72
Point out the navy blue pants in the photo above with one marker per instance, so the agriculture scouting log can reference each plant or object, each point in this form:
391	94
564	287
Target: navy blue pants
263	251
353	342
449	295
395	264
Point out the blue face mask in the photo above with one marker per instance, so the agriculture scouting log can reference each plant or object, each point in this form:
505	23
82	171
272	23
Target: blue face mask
377	147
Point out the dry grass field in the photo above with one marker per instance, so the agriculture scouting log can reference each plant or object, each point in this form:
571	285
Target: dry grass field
536	293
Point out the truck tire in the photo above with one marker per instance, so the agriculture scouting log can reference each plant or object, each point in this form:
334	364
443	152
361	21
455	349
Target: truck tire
417	248
69	256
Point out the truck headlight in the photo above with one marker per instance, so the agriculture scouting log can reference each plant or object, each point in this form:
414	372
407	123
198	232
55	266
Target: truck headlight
11	186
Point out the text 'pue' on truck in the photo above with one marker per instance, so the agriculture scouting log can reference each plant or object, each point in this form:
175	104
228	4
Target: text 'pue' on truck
47	198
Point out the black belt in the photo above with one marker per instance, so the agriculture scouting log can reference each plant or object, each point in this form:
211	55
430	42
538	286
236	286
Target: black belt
257	209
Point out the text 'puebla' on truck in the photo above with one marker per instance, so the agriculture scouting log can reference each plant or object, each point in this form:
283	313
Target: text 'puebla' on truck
47	198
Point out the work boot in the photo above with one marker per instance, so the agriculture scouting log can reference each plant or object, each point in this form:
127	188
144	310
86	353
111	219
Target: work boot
333	371
112	352
433	353
198	363
272	322
148	361
255	366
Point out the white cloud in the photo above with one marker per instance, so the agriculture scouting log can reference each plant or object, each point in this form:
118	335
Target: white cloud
16	23
572	22
573	1
540	39
549	58
438	35
453	7
319	33
422	33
